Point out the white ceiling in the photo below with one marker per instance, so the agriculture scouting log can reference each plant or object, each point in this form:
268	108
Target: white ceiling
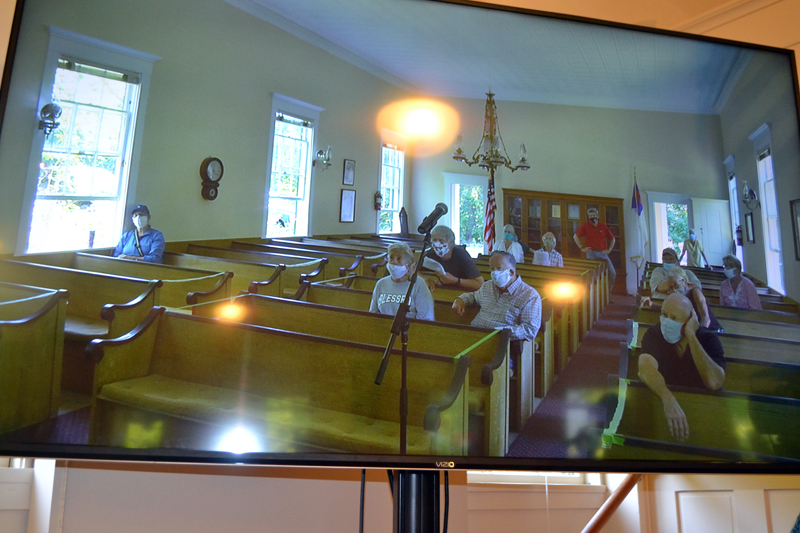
442	49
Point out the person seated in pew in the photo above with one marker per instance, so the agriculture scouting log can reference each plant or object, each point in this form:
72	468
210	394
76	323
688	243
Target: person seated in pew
142	243
678	282
458	268
737	291
391	291
680	353
508	244
658	278
549	247
506	303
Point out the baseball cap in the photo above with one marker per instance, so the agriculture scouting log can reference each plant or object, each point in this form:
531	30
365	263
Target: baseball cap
141	208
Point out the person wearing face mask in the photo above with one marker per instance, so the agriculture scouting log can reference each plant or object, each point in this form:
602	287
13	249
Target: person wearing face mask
391	291
737	291
458	267
509	244
549	247
596	241
694	247
680	353
142	243
506	303
660	286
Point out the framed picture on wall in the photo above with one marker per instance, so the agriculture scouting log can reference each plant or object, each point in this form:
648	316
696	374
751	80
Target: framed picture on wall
794	207
347	209
349	173
748	227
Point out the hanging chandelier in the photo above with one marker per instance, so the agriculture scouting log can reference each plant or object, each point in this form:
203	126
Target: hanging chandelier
491	152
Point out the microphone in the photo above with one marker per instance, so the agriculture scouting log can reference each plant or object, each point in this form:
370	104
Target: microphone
430	221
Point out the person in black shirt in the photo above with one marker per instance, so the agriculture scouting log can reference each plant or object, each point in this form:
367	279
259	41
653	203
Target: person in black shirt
458	267
680	353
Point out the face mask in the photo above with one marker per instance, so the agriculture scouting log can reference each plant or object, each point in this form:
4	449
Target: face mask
594	220
548	245
693	237
671	330
668	266
441	248
500	278
140	221
729	272
397	271
508	236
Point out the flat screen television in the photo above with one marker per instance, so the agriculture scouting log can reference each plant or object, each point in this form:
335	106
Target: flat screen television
146	92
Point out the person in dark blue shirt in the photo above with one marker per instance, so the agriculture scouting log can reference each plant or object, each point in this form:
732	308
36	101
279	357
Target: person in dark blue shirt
142	243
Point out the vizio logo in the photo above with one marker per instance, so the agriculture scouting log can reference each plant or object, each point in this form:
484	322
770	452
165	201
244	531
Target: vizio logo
445	464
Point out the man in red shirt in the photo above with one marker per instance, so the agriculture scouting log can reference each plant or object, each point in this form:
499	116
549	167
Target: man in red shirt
596	240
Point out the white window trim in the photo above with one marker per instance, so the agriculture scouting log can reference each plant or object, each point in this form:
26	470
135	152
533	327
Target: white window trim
64	42
399	141
296	108
453	178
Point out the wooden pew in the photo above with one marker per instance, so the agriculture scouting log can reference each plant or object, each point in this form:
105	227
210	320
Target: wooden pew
297	267
292	390
340	263
741	374
181	286
722	425
768	302
263	278
488	349
743	346
534	371
31	347
740	325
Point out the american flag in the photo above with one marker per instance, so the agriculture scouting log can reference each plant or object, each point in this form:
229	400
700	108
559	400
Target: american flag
491	206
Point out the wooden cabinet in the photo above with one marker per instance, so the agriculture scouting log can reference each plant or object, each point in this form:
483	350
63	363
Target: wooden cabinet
535	213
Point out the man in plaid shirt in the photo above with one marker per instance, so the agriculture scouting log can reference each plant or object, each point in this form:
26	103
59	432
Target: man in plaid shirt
507	302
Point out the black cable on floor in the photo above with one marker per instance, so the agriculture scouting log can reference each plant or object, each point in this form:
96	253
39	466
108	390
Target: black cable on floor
361	509
446	499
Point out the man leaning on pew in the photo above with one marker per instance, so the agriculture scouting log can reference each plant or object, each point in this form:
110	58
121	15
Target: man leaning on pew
680	353
506	303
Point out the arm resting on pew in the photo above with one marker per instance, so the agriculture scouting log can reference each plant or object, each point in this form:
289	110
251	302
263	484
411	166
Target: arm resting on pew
433	412
194	297
254	285
713	375
650	376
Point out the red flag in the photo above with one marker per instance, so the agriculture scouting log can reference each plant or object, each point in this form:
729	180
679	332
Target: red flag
491	206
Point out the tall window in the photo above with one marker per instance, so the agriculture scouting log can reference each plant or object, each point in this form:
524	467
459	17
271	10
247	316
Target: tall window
767	193
84	169
288	198
392	167
733	197
769	220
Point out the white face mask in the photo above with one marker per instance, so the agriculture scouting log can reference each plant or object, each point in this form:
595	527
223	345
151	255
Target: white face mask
548	245
500	278
729	272
441	248
140	221
668	266
671	330
397	271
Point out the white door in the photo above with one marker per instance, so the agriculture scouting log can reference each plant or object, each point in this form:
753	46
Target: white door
712	221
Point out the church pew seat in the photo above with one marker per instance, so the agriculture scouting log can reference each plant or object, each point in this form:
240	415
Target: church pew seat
768	302
733	324
31	347
741	374
534	372
742	346
340	263
723	425
297	267
290	389
713	276
182	286
488	349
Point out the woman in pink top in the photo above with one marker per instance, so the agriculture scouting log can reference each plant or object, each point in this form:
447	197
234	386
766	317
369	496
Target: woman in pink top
737	291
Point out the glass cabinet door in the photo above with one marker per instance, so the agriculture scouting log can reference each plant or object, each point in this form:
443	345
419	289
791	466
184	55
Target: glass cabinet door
569	248
554	212
612	221
514	209
534	236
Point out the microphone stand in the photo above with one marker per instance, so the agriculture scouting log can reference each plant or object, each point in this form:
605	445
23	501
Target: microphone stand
400	327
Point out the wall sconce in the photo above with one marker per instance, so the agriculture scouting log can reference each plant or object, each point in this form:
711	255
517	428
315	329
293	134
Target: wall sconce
323	157
49	115
749	197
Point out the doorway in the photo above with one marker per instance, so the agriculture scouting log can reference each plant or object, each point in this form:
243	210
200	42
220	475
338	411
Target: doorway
672	226
467	209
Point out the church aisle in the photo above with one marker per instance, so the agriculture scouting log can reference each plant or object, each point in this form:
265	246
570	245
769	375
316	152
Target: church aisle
564	424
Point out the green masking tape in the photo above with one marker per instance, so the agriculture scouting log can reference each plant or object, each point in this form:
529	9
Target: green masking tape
610	433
